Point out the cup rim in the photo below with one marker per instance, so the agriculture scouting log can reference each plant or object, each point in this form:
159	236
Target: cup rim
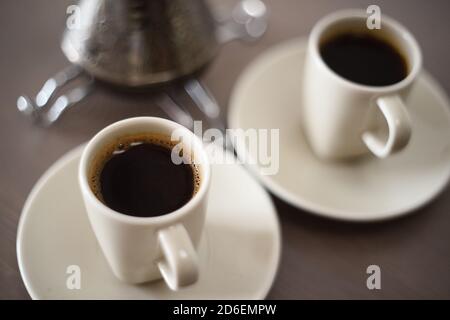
197	147
342	15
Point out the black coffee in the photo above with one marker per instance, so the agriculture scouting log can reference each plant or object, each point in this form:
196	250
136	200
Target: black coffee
136	176
364	59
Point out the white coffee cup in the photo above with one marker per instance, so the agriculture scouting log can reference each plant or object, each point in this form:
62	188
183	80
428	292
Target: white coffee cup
344	119
141	249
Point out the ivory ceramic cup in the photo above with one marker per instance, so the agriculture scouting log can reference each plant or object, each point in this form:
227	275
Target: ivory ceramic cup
343	119
141	249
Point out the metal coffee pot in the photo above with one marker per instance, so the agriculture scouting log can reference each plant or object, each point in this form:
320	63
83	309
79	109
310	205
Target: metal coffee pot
141	43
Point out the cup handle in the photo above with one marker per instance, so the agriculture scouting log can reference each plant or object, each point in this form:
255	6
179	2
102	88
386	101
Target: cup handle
399	126
179	266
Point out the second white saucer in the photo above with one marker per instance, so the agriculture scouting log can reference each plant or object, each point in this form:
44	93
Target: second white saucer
268	96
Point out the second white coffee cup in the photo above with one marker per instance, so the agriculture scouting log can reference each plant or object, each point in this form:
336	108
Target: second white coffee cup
344	119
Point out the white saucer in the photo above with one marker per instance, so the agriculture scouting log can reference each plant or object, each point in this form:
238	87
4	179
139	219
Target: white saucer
268	96
239	252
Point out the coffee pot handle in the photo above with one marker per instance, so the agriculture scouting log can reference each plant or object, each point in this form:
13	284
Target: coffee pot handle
399	127
179	266
247	21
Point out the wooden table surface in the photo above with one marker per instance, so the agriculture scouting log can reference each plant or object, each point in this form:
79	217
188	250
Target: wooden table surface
320	258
